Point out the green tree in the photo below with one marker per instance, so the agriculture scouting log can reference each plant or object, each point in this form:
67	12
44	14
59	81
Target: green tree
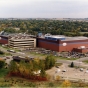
49	62
72	64
42	73
2	63
41	64
13	67
35	65
52	61
1	52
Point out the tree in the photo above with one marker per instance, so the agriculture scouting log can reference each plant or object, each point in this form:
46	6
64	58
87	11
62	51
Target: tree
72	64
49	62
51	84
57	78
2	63
1	52
41	64
52	61
13	67
66	83
29	68
35	65
42	73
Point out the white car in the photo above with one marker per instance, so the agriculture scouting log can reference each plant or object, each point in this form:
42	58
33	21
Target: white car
81	69
64	70
86	71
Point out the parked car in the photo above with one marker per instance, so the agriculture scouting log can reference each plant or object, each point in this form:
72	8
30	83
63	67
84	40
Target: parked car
81	69
64	70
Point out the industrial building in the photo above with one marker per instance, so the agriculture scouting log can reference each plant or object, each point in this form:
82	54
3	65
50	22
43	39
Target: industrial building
57	43
63	43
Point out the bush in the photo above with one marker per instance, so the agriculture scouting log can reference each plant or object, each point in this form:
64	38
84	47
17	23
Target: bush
2	63
1	52
66	83
51	84
72	64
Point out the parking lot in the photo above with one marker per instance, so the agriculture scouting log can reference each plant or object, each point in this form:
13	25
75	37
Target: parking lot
66	72
55	53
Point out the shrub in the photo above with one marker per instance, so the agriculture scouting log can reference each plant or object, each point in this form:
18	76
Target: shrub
2	63
66	83
51	84
1	52
72	64
57	78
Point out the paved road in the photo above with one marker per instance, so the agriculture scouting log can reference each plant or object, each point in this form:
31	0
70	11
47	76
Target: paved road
3	49
77	62
82	59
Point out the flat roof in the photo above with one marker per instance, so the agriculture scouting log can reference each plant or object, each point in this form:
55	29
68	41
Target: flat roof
67	38
55	37
75	38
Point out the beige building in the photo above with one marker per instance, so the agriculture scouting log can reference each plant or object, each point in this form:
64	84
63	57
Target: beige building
22	42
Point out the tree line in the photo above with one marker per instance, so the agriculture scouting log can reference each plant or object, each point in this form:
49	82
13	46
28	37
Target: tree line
56	27
30	69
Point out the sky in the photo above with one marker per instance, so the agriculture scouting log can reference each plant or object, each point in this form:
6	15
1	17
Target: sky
43	8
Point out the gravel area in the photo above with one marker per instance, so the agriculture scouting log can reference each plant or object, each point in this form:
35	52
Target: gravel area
71	73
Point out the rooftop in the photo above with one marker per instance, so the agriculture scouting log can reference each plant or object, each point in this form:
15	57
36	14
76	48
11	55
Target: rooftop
75	38
64	38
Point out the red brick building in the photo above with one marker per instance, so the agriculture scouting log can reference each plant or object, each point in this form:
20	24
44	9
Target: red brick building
78	44
3	40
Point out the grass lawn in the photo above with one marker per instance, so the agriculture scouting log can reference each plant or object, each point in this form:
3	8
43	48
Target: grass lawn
5	54
58	64
64	58
56	57
21	82
83	32
3	72
85	61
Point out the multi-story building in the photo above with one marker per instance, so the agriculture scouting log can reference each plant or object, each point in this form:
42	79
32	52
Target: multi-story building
22	42
18	40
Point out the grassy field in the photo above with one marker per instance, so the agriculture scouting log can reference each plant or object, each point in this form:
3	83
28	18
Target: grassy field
58	64
3	72
21	82
56	57
64	58
85	61
83	32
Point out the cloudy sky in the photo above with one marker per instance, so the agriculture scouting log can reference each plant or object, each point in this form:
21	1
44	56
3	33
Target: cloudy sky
43	8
